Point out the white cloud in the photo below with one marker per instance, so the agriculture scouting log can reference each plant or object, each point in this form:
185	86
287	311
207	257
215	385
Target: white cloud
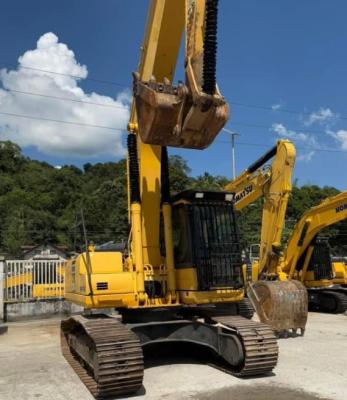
306	157
322	116
276	107
341	137
282	131
51	137
305	138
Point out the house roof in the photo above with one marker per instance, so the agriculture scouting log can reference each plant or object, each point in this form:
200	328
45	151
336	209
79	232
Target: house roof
29	248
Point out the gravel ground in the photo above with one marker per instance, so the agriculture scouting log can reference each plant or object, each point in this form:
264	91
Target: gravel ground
310	367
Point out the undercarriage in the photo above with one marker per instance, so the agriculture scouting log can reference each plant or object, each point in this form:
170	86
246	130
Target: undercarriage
332	299
106	352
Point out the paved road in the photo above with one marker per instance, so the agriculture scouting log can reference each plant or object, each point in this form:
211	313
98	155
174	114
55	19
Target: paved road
310	367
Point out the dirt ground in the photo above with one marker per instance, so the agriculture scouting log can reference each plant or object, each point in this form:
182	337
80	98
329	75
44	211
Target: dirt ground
310	367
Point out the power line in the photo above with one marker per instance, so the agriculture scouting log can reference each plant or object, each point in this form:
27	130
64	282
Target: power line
284	110
241	104
270	128
298	148
312	148
64	99
120	129
61	121
70	75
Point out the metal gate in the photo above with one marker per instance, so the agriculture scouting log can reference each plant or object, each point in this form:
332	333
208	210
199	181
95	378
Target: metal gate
33	280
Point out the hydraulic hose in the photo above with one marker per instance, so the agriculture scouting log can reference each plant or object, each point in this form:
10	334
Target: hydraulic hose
210	47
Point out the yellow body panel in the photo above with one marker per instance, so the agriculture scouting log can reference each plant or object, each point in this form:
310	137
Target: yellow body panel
253	277
121	285
187	283
213	296
340	273
310	281
107	276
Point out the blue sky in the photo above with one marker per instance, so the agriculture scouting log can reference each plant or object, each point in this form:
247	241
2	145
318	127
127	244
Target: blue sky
281	54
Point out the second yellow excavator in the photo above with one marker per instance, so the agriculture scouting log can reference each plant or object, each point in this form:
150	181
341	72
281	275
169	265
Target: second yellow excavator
307	256
305	261
278	300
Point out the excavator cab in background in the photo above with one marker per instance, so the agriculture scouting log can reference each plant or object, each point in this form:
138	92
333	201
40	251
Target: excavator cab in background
278	300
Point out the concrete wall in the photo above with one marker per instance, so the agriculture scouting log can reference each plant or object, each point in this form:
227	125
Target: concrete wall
40	309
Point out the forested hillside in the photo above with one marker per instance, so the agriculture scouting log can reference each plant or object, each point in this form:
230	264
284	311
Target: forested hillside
39	202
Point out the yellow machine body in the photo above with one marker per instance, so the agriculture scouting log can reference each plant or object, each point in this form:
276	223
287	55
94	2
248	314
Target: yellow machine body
179	278
113	284
154	123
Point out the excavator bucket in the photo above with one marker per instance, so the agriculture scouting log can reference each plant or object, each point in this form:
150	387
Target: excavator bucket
168	116
281	304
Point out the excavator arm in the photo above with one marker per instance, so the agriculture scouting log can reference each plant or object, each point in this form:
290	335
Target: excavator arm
279	302
190	114
274	184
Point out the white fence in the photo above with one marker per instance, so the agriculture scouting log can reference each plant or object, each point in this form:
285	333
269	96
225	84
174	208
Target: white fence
33	280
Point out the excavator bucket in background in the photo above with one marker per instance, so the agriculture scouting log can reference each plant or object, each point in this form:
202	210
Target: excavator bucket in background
281	304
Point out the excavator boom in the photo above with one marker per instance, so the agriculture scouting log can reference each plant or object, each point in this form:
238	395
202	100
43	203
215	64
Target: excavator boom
279	302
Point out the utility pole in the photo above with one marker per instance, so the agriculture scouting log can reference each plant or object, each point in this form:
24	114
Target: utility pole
232	136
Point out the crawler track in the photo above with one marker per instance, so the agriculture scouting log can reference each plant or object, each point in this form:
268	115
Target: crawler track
332	301
110	362
245	308
259	344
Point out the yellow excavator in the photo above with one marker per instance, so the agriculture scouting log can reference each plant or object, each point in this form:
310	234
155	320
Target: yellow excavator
307	256
278	300
306	260
183	258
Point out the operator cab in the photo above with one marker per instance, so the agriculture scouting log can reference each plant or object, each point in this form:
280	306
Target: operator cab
206	239
320	265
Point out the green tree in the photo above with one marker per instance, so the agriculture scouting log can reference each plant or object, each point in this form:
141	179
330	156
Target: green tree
179	174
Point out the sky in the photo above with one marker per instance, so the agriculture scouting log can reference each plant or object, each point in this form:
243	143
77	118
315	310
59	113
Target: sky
282	67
